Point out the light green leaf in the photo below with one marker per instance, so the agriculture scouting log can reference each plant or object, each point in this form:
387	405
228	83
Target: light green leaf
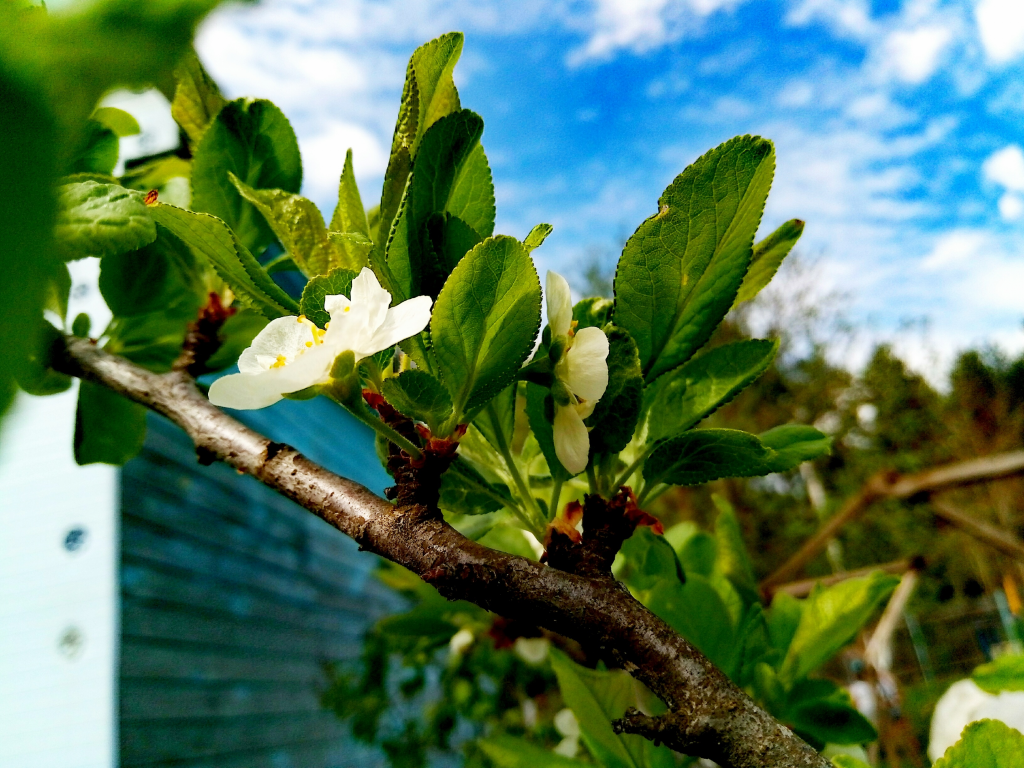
254	140
784	617
97	153
511	752
465	491
593	312
197	99
337	283
152	340
355	245
497	420
210	238
597	698
537	237
58	291
617	412
830	619
1003	674
472	195
117	120
647	560
848	761
429	94
419	396
699	554
101	220
696	611
699	387
702	455
985	744
109	429
485	321
732	558
349	214
680	271
300	228
767	258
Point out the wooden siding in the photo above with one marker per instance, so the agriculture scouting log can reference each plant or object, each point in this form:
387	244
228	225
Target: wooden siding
233	598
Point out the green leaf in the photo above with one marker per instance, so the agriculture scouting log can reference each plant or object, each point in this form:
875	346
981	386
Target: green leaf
696	611
485	321
300	228
419	396
794	444
252	139
700	456
356	246
35	374
337	283
429	94
680	271
848	761
149	279
97	152
472	195
237	333
830	619
985	744
465	491
117	120
701	386
81	325
593	312
540	411
537	237
732	559
1003	674
210	238
197	99
648	560
597	698
756	646
109	429
152	340
767	258
699	554
443	157
101	220
617	412
58	290
784	617
512	752
497	420
823	713
349	214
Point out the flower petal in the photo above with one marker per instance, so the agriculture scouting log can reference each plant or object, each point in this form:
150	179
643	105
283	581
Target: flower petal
336	304
572	441
284	336
559	304
407	319
586	364
368	295
245	391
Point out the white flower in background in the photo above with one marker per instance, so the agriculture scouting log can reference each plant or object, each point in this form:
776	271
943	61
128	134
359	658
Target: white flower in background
291	353
460	641
581	376
532	650
567	725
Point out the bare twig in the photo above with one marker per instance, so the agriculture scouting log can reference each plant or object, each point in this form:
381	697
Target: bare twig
997	538
709	716
890	485
803	587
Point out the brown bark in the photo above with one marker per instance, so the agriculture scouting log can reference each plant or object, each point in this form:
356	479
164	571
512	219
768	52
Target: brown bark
709	716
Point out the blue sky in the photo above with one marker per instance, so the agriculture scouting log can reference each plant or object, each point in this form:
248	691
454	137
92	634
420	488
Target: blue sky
898	127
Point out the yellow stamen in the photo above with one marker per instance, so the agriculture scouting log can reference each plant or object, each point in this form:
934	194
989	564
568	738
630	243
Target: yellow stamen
280	362
301	318
309	343
348	309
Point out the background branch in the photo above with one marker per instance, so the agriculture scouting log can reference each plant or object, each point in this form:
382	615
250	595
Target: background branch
709	716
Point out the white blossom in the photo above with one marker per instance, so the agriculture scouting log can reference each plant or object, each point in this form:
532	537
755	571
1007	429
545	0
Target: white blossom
292	353
582	372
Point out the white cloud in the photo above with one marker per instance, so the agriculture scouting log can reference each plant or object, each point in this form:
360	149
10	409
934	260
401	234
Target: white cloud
1006	168
956	247
850	18
915	54
1001	29
1011	206
369	160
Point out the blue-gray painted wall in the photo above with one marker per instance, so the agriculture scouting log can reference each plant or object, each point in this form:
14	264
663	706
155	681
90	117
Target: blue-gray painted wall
234	598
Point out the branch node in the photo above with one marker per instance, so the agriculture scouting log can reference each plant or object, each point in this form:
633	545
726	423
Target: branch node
202	339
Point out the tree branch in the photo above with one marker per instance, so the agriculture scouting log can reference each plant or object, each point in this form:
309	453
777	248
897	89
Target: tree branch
709	716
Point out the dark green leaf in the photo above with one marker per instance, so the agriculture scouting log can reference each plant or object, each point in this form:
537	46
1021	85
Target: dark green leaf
985	744
81	325
101	220
420	396
337	283
237	333
152	340
756	645
512	752
679	273
823	713
733	560
485	321
696	611
594	312
35	374
699	554
648	560
58	290
537	237
830	619
252	139
197	100
694	391
540	410
1005	673
109	429
784	616
767	258
497	420
300	228
117	120
465	491
97	152
618	410
146	280
210	239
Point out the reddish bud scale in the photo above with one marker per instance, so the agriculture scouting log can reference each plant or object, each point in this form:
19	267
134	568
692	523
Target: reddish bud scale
151	197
